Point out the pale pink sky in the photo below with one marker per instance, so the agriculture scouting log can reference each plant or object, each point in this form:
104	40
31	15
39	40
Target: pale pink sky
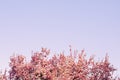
27	25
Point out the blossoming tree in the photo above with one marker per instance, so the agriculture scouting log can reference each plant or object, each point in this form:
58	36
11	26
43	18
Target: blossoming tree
59	67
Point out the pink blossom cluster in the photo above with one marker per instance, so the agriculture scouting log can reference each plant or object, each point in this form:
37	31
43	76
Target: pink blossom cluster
59	67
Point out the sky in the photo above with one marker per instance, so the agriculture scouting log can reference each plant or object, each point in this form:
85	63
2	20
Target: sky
28	25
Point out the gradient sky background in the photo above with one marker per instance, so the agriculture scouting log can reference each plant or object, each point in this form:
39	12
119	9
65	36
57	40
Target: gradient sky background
28	25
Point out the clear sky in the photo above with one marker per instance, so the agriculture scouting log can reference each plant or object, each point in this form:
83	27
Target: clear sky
28	25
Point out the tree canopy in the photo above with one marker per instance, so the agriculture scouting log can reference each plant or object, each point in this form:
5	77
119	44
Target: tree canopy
59	67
